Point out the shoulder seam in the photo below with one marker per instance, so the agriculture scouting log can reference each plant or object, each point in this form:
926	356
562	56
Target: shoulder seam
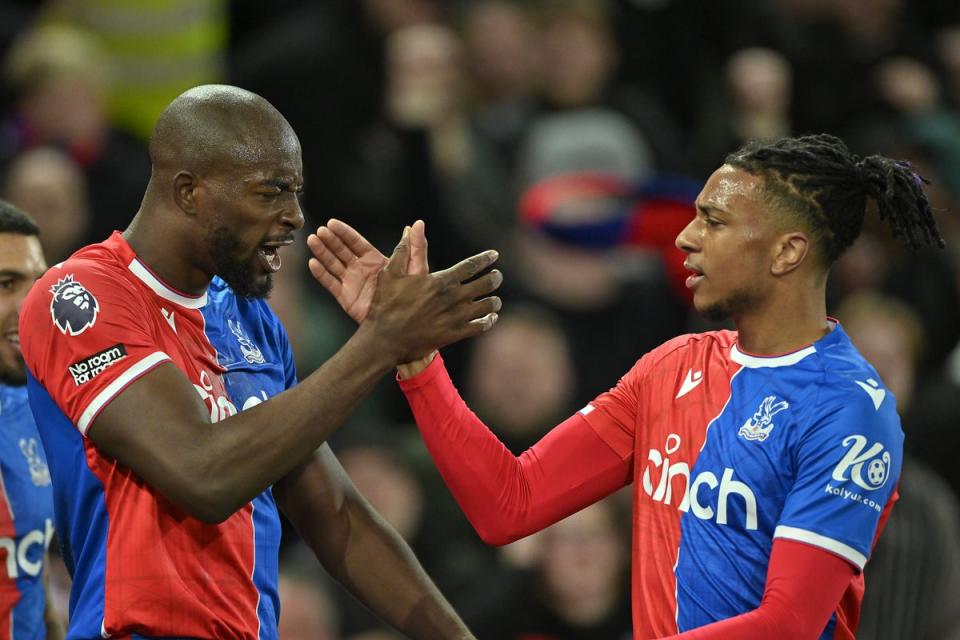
662	352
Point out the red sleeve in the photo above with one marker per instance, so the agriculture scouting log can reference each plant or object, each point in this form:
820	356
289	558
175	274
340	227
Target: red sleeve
804	587
85	338
507	497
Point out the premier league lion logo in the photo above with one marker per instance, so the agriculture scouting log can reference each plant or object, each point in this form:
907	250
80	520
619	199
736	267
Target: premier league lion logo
73	308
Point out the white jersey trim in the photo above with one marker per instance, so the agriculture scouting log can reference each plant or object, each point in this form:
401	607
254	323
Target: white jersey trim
158	287
802	535
111	390
756	362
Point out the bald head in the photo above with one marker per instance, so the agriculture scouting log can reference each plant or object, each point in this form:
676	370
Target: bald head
219	126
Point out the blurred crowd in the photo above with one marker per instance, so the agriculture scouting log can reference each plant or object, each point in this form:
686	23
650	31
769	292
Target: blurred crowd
572	136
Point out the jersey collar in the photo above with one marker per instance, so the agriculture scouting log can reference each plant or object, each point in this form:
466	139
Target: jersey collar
149	278
788	359
161	289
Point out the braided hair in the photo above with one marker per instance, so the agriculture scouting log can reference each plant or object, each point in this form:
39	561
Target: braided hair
818	178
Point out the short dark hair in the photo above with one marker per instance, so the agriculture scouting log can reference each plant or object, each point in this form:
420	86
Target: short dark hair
14	220
828	186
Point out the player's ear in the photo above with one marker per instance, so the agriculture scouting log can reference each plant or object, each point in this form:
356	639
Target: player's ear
185	187
790	251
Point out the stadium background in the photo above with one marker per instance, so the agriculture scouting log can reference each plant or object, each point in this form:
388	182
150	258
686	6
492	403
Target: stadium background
572	136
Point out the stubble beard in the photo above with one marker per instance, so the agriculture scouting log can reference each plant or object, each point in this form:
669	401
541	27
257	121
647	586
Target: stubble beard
736	304
239	274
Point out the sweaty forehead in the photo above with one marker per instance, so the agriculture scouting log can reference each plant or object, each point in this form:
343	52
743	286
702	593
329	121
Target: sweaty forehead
731	189
269	149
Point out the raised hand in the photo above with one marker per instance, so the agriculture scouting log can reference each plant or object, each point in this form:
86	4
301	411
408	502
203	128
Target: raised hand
347	265
415	314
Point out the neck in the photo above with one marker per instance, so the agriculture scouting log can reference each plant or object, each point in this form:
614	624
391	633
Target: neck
166	251
788	322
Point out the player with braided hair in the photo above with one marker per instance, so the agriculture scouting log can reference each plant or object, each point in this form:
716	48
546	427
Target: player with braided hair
764	461
818	176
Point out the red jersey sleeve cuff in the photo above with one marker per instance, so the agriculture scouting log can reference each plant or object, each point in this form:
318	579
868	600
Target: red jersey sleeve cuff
425	377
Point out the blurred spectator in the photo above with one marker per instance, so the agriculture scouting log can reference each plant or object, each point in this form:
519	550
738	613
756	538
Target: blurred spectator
755	105
427	96
15	18
306	611
677	47
580	60
836	60
504	63
59	77
579	588
52	187
388	16
948	46
521	376
588	141
913	91
914	571
760	89
388	484
599	289
156	50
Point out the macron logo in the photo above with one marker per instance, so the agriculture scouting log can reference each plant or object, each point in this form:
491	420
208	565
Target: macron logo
692	381
168	316
872	388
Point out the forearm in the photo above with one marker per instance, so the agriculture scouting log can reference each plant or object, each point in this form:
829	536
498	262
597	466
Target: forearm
363	552
379	568
259	446
211	470
503	496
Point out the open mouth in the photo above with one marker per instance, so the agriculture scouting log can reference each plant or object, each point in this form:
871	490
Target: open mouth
269	254
694	279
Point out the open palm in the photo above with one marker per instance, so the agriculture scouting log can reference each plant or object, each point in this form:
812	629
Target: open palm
347	265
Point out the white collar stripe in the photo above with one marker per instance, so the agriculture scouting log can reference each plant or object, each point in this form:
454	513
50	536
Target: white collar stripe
162	290
756	362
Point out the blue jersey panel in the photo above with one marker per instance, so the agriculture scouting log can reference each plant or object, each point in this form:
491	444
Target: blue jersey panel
29	497
847	468
78	503
253	349
809	451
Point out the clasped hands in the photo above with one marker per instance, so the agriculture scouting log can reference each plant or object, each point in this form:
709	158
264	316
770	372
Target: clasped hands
414	311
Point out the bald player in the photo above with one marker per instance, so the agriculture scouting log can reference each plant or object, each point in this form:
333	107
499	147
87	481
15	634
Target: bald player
165	394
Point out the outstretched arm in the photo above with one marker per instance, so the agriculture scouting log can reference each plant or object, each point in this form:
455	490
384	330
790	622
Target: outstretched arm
503	496
213	472
506	497
363	552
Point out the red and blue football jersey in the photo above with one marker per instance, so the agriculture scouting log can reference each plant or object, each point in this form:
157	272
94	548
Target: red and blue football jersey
141	566
731	451
26	519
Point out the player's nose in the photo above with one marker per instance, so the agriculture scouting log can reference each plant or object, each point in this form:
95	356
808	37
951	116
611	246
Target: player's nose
687	239
293	216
